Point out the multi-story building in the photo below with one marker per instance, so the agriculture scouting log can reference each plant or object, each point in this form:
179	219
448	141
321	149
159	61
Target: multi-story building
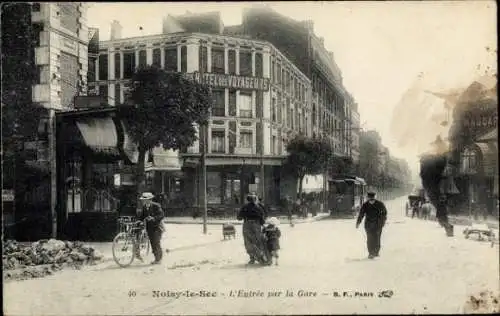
331	103
54	71
261	99
355	125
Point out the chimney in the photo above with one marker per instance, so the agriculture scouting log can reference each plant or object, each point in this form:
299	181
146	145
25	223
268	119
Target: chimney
116	30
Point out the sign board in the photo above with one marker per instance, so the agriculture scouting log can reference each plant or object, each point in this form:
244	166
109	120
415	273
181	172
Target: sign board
7	195
486	121
230	81
252	188
117	179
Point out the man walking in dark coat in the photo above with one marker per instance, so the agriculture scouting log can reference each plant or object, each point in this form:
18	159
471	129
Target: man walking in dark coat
376	215
153	214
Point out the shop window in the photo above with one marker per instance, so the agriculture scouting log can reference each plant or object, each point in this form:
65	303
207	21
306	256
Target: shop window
245	104
245	63
203	59
218	60
128	65
218	142
157	57
103	67
171	59
219	107
231	61
246	139
117	65
183	58
214	188
232	191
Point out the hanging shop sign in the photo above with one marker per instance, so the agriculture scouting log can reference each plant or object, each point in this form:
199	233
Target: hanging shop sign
230	81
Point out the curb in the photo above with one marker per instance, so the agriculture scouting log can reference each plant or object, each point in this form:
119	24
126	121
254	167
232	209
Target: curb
235	222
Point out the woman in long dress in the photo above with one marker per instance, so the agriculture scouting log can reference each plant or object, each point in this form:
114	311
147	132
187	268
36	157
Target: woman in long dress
253	216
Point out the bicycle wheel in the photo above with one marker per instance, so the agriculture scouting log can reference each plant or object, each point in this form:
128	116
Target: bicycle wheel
123	249
144	243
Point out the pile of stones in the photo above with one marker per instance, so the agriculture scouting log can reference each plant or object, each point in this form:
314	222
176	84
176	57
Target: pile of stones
22	261
486	302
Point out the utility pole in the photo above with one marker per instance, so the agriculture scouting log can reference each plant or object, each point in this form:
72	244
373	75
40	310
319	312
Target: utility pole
203	166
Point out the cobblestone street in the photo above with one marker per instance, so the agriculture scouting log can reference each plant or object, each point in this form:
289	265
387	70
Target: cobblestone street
426	271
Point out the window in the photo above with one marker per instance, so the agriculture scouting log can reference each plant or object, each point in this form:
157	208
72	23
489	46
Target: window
203	59
232	61
117	94
469	161
103	92
274	146
117	66
245	63
246	139
157	57
245	104
128	65
142	58
103	67
214	187
219	107
69	16
273	109
273	71
171	59
35	7
232	102
218	60
218	142
259	71
183	58
232	189
278	74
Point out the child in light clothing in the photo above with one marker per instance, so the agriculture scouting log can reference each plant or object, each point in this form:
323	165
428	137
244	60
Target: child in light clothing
273	235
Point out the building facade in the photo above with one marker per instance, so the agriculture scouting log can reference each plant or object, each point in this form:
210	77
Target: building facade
261	99
56	61
355	132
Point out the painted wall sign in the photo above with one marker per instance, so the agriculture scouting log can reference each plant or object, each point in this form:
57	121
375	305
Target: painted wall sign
487	121
230	81
69	46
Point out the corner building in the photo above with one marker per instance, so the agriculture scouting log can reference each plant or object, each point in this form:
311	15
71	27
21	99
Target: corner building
257	107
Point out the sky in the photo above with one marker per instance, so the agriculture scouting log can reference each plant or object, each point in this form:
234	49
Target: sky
383	48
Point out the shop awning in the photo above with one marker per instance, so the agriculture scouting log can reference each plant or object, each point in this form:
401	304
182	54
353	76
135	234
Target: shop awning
164	160
99	134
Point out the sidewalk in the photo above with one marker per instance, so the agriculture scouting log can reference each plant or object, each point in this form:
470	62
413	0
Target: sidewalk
212	221
189	234
465	220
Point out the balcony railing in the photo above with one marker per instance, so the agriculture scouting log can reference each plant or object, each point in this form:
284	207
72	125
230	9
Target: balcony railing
246	113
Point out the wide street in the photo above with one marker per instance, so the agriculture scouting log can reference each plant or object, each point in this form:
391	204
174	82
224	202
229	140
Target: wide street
426	271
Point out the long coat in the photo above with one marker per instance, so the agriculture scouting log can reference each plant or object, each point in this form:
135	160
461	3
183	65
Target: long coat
156	212
376	215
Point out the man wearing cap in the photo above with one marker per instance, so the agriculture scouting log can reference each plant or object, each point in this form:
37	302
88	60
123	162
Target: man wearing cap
153	215
376	215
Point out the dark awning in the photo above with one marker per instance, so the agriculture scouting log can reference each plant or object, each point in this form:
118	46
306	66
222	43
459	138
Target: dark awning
99	134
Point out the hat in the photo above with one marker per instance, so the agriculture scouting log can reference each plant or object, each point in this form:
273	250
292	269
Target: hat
273	221
146	196
371	194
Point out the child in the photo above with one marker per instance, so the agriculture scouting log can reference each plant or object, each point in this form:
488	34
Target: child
273	235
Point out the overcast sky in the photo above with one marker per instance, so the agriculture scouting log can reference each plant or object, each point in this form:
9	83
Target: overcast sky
381	47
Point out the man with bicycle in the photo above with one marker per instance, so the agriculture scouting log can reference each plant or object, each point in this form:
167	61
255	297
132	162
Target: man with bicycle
152	214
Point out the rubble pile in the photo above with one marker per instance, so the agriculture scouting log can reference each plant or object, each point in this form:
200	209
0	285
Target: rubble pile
41	258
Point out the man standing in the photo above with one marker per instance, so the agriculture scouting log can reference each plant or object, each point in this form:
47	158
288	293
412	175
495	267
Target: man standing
426	209
153	214
376	215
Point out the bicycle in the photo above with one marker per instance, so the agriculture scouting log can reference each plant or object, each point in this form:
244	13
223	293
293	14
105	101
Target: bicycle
126	240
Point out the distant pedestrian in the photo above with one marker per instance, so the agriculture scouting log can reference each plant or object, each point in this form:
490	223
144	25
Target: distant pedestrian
153	215
415	209
288	206
375	215
442	215
426	209
273	234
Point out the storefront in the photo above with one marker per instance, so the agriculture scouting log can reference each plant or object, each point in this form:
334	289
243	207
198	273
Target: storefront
474	155
94	177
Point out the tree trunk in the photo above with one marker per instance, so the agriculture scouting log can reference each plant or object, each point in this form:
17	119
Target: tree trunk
139	177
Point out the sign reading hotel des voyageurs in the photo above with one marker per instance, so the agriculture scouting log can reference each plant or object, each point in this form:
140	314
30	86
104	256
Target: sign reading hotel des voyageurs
230	81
